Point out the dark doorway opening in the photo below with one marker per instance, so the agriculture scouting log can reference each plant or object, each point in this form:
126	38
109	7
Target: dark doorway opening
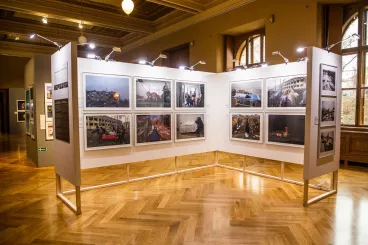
4	111
177	56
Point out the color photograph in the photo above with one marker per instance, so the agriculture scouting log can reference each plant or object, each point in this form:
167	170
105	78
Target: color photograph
287	91
246	127
153	129
28	118
28	99
49	130
328	80
328	111
246	94
190	95
21	116
326	142
106	92
21	105
32	129
151	94
31	108
48	92
190	127
48	112
286	129
107	131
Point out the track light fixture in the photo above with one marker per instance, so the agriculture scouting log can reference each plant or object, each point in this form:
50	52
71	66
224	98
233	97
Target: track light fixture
191	68
93	56
90	45
286	60
354	36
32	36
302	59
300	49
152	63
44	20
114	49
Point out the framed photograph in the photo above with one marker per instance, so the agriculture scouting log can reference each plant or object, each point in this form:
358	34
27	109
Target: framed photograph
48	111
246	94
326	142
328	80
246	127
21	116
28	99
32	129
28	118
105	131
21	105
190	95
286	92
49	130
285	129
106	92
190	126
31	107
152	94
328	111
48	92
153	129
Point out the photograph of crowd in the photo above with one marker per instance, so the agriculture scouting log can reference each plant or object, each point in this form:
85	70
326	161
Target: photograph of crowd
152	129
153	93
286	129
246	94
328	80
107	131
246	127
328	108
190	95
327	142
106	91
189	127
286	91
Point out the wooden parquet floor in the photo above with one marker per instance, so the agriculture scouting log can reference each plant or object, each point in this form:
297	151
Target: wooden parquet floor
213	206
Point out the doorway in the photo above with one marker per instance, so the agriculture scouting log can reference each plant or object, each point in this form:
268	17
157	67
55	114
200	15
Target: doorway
4	111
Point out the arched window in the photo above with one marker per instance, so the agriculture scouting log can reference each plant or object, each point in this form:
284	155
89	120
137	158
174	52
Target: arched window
252	50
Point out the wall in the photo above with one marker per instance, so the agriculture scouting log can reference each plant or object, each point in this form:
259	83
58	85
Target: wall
296	24
14	95
12	71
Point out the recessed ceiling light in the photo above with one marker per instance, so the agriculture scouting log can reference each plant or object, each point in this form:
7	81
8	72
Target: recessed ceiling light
16	38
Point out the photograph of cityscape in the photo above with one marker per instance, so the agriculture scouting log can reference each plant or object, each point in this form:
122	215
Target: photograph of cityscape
190	127
106	91
153	129
190	95
328	108
327	142
286	91
246	94
286	129
107	131
152	93
246	127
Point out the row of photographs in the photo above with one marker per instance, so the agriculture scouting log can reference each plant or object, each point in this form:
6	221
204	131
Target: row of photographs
112	92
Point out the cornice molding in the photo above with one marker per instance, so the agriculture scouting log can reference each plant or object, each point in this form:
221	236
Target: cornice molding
24	49
183	5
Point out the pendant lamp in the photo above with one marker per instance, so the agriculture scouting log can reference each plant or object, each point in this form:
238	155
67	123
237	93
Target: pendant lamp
127	6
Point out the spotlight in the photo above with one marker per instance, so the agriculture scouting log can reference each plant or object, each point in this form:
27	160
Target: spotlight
161	56
16	38
91	56
300	49
354	36
286	60
114	49
44	38
302	59
44	20
182	67
92	45
264	65
142	62
80	25
199	62
32	36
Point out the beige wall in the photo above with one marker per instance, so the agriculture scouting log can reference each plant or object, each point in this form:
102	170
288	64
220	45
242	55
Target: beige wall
12	71
295	24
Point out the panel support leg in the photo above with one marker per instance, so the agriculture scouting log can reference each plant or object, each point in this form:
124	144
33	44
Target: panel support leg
59	194
282	170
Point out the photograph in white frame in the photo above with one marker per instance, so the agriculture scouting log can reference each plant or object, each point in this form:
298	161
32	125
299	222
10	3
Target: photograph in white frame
286	92
151	129
28	118
32	129
48	111
326	142
21	116
328	80
107	131
48	92
190	95
328	111
246	94
49	130
106	92
285	129
190	126
153	94
246	127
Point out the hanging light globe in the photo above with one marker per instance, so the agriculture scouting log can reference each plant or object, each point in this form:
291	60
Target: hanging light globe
82	40
127	6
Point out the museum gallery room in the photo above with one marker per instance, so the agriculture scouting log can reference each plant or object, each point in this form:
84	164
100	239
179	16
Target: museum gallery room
129	122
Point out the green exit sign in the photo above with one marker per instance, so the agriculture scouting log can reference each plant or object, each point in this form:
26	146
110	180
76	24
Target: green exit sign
42	149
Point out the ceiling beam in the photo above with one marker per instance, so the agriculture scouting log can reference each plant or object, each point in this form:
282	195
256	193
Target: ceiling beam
25	49
183	5
69	12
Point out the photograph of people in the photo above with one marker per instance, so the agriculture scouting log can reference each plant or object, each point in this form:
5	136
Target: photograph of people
327	142
153	93
190	126
246	127
190	95
246	94
153	128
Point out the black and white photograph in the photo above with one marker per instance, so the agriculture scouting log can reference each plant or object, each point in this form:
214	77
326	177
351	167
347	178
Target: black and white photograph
48	111
328	111
190	126
246	94
287	92
326	142
152	93
49	130
328	80
48	92
190	95
106	92
153	129
286	129
246	127
103	131
21	116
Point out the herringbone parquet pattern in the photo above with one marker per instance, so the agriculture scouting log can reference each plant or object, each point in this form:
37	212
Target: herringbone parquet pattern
213	206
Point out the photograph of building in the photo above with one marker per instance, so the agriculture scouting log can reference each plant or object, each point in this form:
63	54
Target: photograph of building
153	93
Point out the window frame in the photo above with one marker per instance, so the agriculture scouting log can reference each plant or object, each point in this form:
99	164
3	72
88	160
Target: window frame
246	43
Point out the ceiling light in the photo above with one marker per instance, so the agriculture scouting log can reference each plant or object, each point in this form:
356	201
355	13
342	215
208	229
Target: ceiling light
16	38
127	6
44	20
142	62
300	49
92	45
82	40
32	36
80	25
91	56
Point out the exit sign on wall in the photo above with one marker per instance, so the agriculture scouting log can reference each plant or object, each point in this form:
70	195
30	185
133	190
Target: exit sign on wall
42	149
